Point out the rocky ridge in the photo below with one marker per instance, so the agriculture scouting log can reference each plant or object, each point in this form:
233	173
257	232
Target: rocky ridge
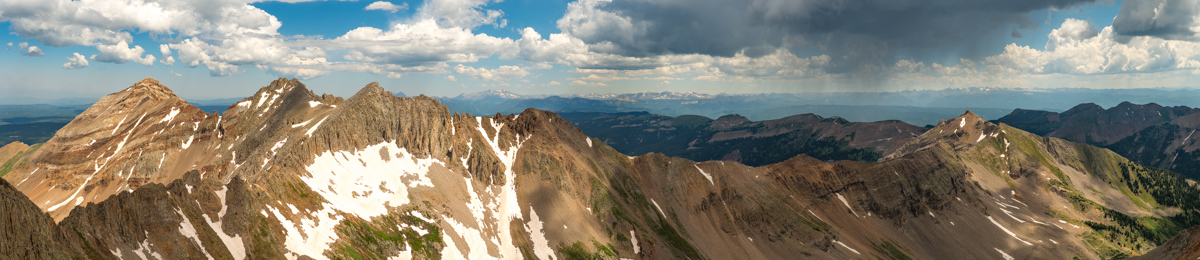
288	173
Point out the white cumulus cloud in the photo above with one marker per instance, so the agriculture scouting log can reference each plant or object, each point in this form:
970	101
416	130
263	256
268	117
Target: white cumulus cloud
459	13
1078	48
418	43
121	53
386	6
33	51
75	61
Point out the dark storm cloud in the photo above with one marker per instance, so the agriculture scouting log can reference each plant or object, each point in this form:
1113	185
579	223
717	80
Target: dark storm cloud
837	27
1167	19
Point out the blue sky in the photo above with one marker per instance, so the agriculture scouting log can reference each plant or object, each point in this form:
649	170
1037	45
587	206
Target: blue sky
207	49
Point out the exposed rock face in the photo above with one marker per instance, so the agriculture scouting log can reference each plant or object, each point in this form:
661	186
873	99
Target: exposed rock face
28	233
292	174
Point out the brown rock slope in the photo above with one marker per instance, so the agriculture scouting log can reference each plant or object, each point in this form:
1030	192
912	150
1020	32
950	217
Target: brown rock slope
286	173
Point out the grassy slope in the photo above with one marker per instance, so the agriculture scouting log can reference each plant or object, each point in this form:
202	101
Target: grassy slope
1119	234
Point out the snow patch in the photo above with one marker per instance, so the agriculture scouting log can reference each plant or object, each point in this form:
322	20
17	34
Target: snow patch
314	127
302	123
1010	233
633	238
815	215
261	98
187	230
114	131
170	116
660	211
541	246
844	202
962	123
1009	213
352	187
233	243
706	175
64	203
314	103
1068	223
589	140
278	145
244	104
1003	254
273	97
187	144
847	247
143	249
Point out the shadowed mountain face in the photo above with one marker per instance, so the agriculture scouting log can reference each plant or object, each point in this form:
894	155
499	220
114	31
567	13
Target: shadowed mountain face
288	173
1149	134
736	138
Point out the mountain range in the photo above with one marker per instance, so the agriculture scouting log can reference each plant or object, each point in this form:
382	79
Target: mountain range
1149	134
736	138
917	107
286	173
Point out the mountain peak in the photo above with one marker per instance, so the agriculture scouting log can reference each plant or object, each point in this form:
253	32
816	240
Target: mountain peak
970	116
149	87
964	130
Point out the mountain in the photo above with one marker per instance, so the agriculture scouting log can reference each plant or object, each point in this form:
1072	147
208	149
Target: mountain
490	94
917	107
736	138
1149	134
287	173
752	107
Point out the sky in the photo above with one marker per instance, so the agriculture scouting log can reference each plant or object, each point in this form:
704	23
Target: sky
204	49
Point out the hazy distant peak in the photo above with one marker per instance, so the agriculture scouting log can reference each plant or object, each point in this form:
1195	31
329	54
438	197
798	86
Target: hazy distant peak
503	94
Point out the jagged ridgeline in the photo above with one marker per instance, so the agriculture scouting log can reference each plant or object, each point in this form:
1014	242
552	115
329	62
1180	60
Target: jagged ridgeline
286	173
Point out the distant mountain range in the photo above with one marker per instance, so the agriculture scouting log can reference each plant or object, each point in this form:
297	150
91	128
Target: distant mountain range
287	173
1149	134
914	107
736	138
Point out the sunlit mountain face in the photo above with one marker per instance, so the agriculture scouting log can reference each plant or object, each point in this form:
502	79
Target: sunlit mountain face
599	129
